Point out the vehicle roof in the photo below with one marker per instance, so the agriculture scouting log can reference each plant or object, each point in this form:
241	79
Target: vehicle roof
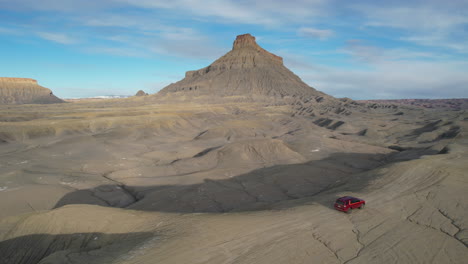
346	198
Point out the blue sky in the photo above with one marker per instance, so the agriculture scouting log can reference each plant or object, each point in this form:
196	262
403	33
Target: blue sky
357	49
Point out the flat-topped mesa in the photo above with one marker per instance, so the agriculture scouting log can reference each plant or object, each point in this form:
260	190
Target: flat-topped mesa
18	80
25	91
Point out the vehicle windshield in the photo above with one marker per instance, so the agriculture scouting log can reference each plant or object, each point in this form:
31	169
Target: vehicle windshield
340	202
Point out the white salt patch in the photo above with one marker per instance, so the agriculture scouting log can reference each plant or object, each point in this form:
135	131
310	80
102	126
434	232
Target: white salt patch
2	188
315	150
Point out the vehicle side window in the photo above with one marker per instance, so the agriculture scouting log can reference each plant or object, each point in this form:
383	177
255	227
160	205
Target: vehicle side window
354	201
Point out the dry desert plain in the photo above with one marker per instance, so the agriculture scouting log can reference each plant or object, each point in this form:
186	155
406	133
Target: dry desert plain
133	181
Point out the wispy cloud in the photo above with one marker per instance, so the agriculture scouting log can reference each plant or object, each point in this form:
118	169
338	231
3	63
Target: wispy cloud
387	79
57	37
139	21
261	12
184	43
56	5
251	12
9	31
440	40
118	51
426	16
321	34
195	46
429	23
368	53
141	33
385	83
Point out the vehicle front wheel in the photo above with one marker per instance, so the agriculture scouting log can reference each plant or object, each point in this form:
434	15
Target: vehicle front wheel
362	206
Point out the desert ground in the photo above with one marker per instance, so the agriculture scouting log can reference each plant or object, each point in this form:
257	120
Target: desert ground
145	181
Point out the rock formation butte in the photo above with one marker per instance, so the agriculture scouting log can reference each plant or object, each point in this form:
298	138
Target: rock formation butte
247	71
25	91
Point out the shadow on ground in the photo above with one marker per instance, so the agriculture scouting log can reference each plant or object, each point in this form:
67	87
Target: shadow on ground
47	248
259	189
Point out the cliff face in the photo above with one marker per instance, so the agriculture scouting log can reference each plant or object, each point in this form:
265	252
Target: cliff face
247	70
25	91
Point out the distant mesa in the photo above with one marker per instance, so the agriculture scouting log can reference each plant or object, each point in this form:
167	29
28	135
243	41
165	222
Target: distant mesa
141	93
247	71
25	91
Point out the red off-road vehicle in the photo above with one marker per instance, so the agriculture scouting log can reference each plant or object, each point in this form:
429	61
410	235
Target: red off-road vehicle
346	203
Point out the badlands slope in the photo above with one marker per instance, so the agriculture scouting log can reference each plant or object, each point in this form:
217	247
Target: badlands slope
177	178
128	181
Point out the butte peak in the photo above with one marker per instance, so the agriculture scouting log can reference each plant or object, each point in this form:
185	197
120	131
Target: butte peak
245	44
247	71
245	40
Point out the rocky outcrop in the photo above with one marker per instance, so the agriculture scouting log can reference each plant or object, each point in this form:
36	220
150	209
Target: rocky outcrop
248	71
448	104
25	91
141	93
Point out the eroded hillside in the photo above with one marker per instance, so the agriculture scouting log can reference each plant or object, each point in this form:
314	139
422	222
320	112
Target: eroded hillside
264	180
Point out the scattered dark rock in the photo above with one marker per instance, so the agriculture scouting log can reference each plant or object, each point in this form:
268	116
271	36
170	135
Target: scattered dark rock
141	93
323	122
444	150
448	104
397	148
362	132
336	125
451	133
